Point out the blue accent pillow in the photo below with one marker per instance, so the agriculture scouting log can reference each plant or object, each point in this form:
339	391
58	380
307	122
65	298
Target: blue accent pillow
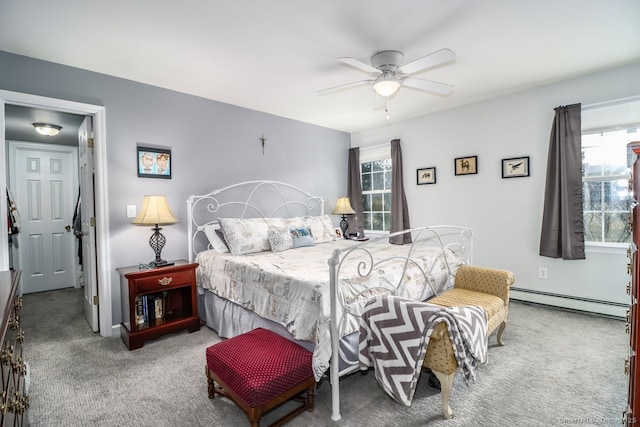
302	237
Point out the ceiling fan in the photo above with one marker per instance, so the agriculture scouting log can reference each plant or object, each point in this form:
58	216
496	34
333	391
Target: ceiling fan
391	75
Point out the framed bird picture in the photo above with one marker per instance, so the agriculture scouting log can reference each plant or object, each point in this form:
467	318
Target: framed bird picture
515	167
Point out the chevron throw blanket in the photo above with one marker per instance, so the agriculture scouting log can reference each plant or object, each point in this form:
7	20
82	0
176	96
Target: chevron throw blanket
394	335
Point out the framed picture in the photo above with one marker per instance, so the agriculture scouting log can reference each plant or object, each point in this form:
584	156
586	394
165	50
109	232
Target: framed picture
154	162
466	165
515	167
426	176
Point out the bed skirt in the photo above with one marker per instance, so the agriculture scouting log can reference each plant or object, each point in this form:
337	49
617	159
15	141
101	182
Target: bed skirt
229	319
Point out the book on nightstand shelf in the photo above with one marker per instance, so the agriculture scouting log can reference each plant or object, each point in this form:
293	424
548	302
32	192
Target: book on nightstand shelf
150	309
158	307
139	311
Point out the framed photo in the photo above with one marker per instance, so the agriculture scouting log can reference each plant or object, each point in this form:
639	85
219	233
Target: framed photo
154	162
426	176
515	167
466	165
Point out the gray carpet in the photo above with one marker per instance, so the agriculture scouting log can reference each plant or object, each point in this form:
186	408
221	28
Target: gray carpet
558	368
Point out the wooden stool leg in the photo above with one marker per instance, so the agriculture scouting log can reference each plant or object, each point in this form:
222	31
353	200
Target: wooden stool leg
254	416
310	398
210	384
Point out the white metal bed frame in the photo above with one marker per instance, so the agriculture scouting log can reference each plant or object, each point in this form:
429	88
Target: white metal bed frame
267	199
281	199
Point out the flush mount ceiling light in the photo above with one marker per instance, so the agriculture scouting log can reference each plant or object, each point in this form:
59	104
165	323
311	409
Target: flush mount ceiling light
47	129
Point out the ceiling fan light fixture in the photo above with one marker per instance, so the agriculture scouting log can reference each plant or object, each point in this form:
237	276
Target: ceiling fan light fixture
47	129
386	86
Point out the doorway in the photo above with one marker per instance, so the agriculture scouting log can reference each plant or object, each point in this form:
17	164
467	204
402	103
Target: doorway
100	221
43	183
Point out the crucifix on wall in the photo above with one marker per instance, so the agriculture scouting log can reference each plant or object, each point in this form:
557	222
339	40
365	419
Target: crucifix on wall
263	140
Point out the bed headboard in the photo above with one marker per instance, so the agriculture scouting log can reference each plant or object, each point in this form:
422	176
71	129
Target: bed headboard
251	199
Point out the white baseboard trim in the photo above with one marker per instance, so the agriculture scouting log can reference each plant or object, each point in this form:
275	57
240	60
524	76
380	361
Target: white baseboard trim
115	330
606	308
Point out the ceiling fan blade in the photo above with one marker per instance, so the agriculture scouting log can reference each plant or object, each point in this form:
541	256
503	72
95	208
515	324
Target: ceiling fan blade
359	65
344	86
434	59
427	85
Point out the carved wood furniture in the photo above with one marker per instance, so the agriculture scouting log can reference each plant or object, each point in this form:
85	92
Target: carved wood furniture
15	400
632	368
174	286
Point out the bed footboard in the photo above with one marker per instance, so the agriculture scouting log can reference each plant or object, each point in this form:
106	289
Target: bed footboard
417	275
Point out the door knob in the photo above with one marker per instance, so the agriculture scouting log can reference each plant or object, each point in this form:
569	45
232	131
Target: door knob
67	227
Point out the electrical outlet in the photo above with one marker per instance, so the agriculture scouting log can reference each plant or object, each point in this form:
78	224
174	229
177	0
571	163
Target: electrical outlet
543	273
131	211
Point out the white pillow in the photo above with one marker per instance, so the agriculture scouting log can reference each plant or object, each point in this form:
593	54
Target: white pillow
245	235
216	242
280	239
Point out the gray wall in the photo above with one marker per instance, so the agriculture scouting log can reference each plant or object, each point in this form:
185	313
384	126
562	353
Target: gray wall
506	214
213	145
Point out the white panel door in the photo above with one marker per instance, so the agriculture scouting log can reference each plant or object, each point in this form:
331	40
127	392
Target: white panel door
89	259
44	181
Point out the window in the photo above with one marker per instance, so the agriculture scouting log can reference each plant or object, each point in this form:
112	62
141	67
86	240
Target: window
375	176
606	169
607	128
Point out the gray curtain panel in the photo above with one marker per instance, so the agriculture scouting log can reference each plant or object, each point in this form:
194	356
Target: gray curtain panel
354	192
399	209
562	234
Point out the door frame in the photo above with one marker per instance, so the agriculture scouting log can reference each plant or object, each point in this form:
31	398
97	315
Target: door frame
101	192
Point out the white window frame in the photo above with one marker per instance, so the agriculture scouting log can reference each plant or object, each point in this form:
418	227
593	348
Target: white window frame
615	115
371	154
606	178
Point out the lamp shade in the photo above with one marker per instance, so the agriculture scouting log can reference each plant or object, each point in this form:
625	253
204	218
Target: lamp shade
155	210
343	207
386	85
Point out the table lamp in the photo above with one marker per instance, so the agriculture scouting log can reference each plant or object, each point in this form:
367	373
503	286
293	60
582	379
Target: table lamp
343	207
155	211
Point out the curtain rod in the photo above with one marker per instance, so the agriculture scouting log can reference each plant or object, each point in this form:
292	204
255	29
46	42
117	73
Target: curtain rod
374	146
611	103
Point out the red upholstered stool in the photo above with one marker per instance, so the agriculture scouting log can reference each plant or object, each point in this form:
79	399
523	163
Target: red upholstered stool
260	370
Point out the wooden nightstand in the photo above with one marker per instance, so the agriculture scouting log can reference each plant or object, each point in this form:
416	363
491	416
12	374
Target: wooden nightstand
157	302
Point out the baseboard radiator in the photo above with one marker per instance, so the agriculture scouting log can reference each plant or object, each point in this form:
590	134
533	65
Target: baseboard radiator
608	308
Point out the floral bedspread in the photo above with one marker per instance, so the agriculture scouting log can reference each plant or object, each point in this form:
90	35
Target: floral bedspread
292	287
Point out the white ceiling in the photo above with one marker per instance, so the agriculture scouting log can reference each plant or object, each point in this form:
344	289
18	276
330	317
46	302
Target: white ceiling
273	56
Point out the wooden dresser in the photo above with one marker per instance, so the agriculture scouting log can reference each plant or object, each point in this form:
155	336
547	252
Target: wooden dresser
632	365
15	401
